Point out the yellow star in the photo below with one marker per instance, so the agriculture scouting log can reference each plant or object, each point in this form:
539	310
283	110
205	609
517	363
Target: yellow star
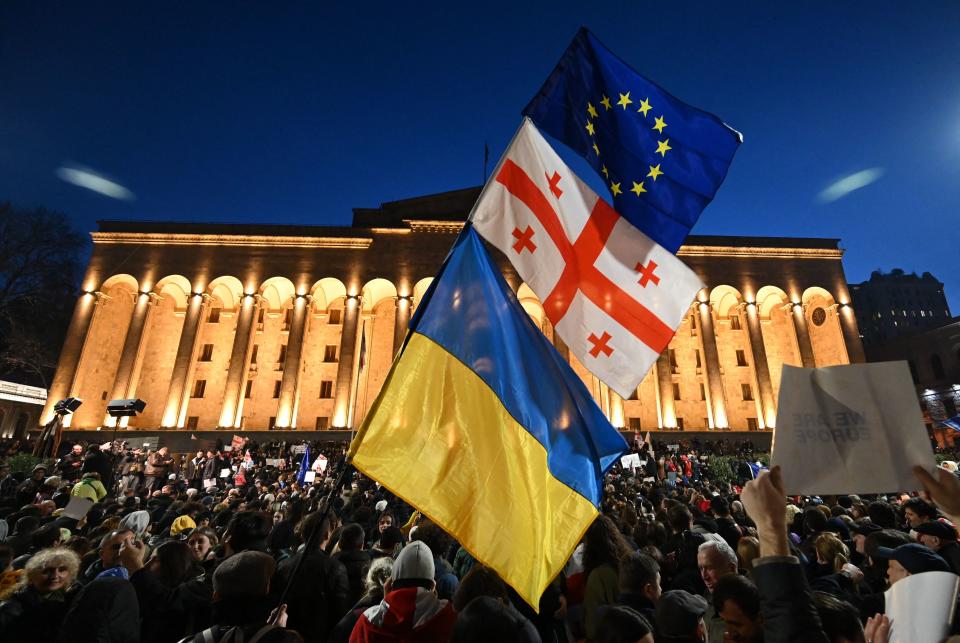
638	188
604	171
644	106
596	149
590	128
663	147
624	100
592	110
615	189
660	124
654	171
606	102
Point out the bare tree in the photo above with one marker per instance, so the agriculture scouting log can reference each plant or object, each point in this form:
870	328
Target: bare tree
39	274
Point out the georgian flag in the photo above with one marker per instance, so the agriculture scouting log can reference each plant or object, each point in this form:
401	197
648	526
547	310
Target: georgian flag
613	295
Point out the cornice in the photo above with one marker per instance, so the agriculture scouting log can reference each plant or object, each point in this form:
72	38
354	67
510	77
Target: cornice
262	241
762	253
449	227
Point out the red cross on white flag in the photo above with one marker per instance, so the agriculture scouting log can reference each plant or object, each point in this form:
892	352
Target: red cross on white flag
613	295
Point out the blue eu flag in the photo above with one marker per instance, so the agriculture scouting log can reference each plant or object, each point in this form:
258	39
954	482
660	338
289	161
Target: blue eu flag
663	160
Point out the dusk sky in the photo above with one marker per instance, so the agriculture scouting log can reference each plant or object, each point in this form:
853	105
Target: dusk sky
298	112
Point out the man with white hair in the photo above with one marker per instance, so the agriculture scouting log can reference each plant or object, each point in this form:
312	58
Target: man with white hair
715	559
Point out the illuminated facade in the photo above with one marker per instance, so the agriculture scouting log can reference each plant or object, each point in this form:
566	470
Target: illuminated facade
263	327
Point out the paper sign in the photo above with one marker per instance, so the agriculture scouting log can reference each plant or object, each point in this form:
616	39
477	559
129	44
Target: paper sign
225	473
630	461
673	447
920	607
77	508
297	449
846	429
274	462
309	476
320	464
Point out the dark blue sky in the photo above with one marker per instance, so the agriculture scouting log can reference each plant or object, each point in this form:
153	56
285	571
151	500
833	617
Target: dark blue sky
297	112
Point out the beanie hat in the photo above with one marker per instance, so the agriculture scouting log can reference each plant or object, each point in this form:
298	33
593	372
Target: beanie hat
136	521
182	523
245	574
915	558
415	562
52	481
381	505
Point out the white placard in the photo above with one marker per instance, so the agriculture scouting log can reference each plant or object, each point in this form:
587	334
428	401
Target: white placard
274	462
920	607
77	508
630	461
309	476
298	449
846	429
225	473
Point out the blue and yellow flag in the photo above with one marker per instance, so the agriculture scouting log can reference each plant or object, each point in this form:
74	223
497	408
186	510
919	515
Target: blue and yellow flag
662	160
483	427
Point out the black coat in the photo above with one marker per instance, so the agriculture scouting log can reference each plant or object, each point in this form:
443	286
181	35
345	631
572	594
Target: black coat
786	602
357	563
105	611
320	595
29	616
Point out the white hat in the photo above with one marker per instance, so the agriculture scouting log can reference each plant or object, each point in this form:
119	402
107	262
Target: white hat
414	562
381	506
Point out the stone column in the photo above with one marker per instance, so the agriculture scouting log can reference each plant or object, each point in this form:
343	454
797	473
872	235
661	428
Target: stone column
668	407
401	321
712	366
131	346
73	343
348	342
616	410
761	367
851	333
291	368
239	359
176	398
803	336
561	346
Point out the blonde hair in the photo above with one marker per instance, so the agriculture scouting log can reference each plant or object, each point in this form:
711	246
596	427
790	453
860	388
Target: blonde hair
55	556
748	549
831	550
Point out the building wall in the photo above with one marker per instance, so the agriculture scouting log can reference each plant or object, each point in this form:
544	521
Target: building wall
783	299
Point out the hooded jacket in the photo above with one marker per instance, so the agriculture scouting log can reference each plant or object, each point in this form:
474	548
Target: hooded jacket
408	615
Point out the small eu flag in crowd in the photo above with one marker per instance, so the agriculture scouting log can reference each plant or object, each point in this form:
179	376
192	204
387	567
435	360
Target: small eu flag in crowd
662	160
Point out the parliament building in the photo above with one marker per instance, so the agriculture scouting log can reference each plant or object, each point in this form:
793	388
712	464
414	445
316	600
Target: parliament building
278	327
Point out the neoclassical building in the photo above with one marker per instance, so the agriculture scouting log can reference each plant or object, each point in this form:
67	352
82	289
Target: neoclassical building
254	327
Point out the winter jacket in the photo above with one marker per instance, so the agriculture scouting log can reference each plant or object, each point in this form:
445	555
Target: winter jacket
357	563
99	462
320	595
786	602
157	466
408	615
602	586
30	616
105	611
89	488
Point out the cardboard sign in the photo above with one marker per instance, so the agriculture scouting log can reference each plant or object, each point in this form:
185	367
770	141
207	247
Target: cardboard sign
77	508
846	429
920	607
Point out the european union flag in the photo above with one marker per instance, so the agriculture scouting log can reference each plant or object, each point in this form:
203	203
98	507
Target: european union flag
663	160
953	423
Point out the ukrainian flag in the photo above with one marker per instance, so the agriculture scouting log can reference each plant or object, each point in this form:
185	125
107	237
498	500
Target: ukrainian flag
483	427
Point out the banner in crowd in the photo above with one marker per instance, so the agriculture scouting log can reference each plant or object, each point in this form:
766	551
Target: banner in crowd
855	428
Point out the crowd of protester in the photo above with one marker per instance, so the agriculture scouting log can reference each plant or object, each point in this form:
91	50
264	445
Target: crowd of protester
238	545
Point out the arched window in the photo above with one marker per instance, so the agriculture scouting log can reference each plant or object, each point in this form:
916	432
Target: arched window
936	365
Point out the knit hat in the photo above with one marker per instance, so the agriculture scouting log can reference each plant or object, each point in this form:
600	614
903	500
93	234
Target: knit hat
941	530
415	562
915	558
40	467
381	505
245	574
52	481
678	613
137	522
182	523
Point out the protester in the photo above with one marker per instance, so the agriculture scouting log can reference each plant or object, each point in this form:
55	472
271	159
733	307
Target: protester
37	607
